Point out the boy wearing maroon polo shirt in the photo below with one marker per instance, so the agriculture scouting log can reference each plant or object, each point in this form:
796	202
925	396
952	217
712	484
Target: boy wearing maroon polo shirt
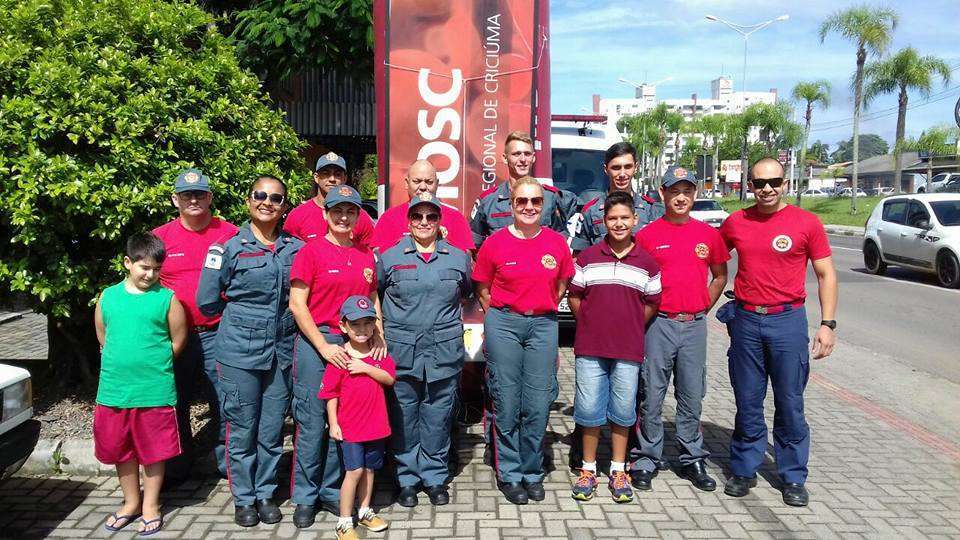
676	343
614	293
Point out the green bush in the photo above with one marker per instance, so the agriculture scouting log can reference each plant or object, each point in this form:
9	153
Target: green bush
101	103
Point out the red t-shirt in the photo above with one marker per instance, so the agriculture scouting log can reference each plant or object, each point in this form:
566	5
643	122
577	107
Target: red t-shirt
333	274
684	253
523	273
772	253
362	410
393	225
309	222
186	252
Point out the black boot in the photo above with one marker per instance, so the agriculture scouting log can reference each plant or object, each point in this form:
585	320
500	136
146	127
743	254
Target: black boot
246	516
304	516
407	497
515	493
696	472
269	511
739	486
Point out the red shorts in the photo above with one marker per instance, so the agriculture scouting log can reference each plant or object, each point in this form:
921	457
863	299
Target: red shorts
147	434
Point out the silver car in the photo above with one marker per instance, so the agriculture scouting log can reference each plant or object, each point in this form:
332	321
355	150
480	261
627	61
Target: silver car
919	231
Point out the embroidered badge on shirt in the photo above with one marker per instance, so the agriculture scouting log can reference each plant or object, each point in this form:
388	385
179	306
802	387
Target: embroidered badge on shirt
702	250
782	243
548	262
368	274
213	261
443	232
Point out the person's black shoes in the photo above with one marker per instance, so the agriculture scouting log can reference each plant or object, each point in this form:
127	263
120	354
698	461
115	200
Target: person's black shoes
304	515
535	491
795	495
269	511
696	473
246	516
642	480
438	495
407	497
515	493
739	486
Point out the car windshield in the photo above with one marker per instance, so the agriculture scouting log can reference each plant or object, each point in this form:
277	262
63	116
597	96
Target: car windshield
706	205
579	170
947	212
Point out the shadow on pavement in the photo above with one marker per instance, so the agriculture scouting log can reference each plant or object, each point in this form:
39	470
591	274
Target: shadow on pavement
34	507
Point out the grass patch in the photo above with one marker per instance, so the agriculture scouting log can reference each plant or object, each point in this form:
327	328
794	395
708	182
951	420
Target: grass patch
830	210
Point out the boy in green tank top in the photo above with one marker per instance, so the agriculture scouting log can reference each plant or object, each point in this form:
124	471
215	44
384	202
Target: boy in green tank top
141	328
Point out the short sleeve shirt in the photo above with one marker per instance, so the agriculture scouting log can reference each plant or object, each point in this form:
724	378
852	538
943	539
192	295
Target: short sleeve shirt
186	252
309	222
523	273
393	225
613	294
362	406
333	273
772	253
684	253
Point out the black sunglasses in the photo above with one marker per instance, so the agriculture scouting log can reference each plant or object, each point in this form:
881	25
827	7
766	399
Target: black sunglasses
418	217
522	202
261	196
758	183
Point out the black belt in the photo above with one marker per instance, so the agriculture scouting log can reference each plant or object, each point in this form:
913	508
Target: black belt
205	328
681	316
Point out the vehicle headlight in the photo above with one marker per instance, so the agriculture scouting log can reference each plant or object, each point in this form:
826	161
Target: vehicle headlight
17	398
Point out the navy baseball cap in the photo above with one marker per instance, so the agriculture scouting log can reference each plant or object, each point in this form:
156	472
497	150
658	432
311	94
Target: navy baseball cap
676	174
341	194
191	180
331	158
357	307
424	198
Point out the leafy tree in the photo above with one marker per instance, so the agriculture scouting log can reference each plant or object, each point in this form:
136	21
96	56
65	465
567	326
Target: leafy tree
870	145
819	152
936	141
902	72
871	29
811	93
101	103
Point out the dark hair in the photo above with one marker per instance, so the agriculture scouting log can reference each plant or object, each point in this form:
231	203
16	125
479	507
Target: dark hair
145	245
615	198
762	160
620	149
267	177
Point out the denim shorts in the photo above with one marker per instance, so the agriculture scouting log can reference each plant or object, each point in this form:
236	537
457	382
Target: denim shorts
362	455
606	391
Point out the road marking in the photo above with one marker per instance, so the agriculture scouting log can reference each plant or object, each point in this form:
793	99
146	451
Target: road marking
846	248
895	280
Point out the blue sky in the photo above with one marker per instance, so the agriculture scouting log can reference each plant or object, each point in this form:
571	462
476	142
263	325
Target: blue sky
594	42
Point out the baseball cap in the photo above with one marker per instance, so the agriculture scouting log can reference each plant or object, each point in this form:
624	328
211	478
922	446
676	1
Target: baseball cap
676	174
191	180
357	307
331	158
341	194
424	198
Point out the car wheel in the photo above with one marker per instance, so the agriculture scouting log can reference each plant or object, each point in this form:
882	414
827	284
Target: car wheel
948	270
872	259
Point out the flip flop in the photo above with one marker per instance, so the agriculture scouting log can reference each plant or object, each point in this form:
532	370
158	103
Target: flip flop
116	518
147	523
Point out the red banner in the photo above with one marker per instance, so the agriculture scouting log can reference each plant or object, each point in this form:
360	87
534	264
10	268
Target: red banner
452	79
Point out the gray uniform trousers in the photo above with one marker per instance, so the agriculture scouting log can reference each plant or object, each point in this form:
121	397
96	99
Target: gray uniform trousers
422	414
317	471
678	349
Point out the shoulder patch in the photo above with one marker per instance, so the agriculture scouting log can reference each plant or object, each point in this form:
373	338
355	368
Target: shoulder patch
218	248
213	261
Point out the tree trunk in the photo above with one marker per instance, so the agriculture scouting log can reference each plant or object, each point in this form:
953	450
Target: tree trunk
743	166
897	149
803	151
857	101
930	173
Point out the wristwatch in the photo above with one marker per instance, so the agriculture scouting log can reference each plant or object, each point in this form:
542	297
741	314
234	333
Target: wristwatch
831	324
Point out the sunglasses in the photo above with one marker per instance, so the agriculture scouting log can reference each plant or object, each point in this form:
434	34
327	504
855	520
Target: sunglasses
522	202
261	196
418	217
758	183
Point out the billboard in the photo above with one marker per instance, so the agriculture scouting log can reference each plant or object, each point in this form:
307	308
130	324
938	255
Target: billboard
452	79
730	170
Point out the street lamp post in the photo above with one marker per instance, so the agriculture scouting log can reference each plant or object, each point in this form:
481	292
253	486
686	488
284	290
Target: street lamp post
745	30
639	87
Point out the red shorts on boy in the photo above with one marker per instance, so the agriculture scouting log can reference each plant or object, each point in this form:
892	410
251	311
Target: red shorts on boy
147	434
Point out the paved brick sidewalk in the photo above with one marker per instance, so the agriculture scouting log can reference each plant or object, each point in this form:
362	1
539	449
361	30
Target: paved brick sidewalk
871	475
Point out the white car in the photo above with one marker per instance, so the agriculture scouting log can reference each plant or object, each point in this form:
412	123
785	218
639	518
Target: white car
19	432
882	191
708	211
814	193
847	192
920	231
937	182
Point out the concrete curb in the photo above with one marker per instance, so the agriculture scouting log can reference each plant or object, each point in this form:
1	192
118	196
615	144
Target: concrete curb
843	230
65	456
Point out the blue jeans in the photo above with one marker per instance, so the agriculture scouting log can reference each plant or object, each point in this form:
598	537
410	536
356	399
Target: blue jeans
606	391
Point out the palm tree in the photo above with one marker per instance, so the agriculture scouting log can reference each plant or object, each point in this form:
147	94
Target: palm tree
936	141
712	127
871	29
813	93
904	71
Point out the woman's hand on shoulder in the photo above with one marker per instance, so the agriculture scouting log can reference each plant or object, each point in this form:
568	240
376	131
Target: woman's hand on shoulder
334	354
379	347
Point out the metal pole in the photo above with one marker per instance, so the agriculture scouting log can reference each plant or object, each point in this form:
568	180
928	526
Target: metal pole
744	157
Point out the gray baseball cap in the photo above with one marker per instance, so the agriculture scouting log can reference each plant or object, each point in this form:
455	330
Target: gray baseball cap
677	174
357	307
331	158
341	194
191	180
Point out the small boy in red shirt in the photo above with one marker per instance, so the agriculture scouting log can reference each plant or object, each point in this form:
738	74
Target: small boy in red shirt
357	413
